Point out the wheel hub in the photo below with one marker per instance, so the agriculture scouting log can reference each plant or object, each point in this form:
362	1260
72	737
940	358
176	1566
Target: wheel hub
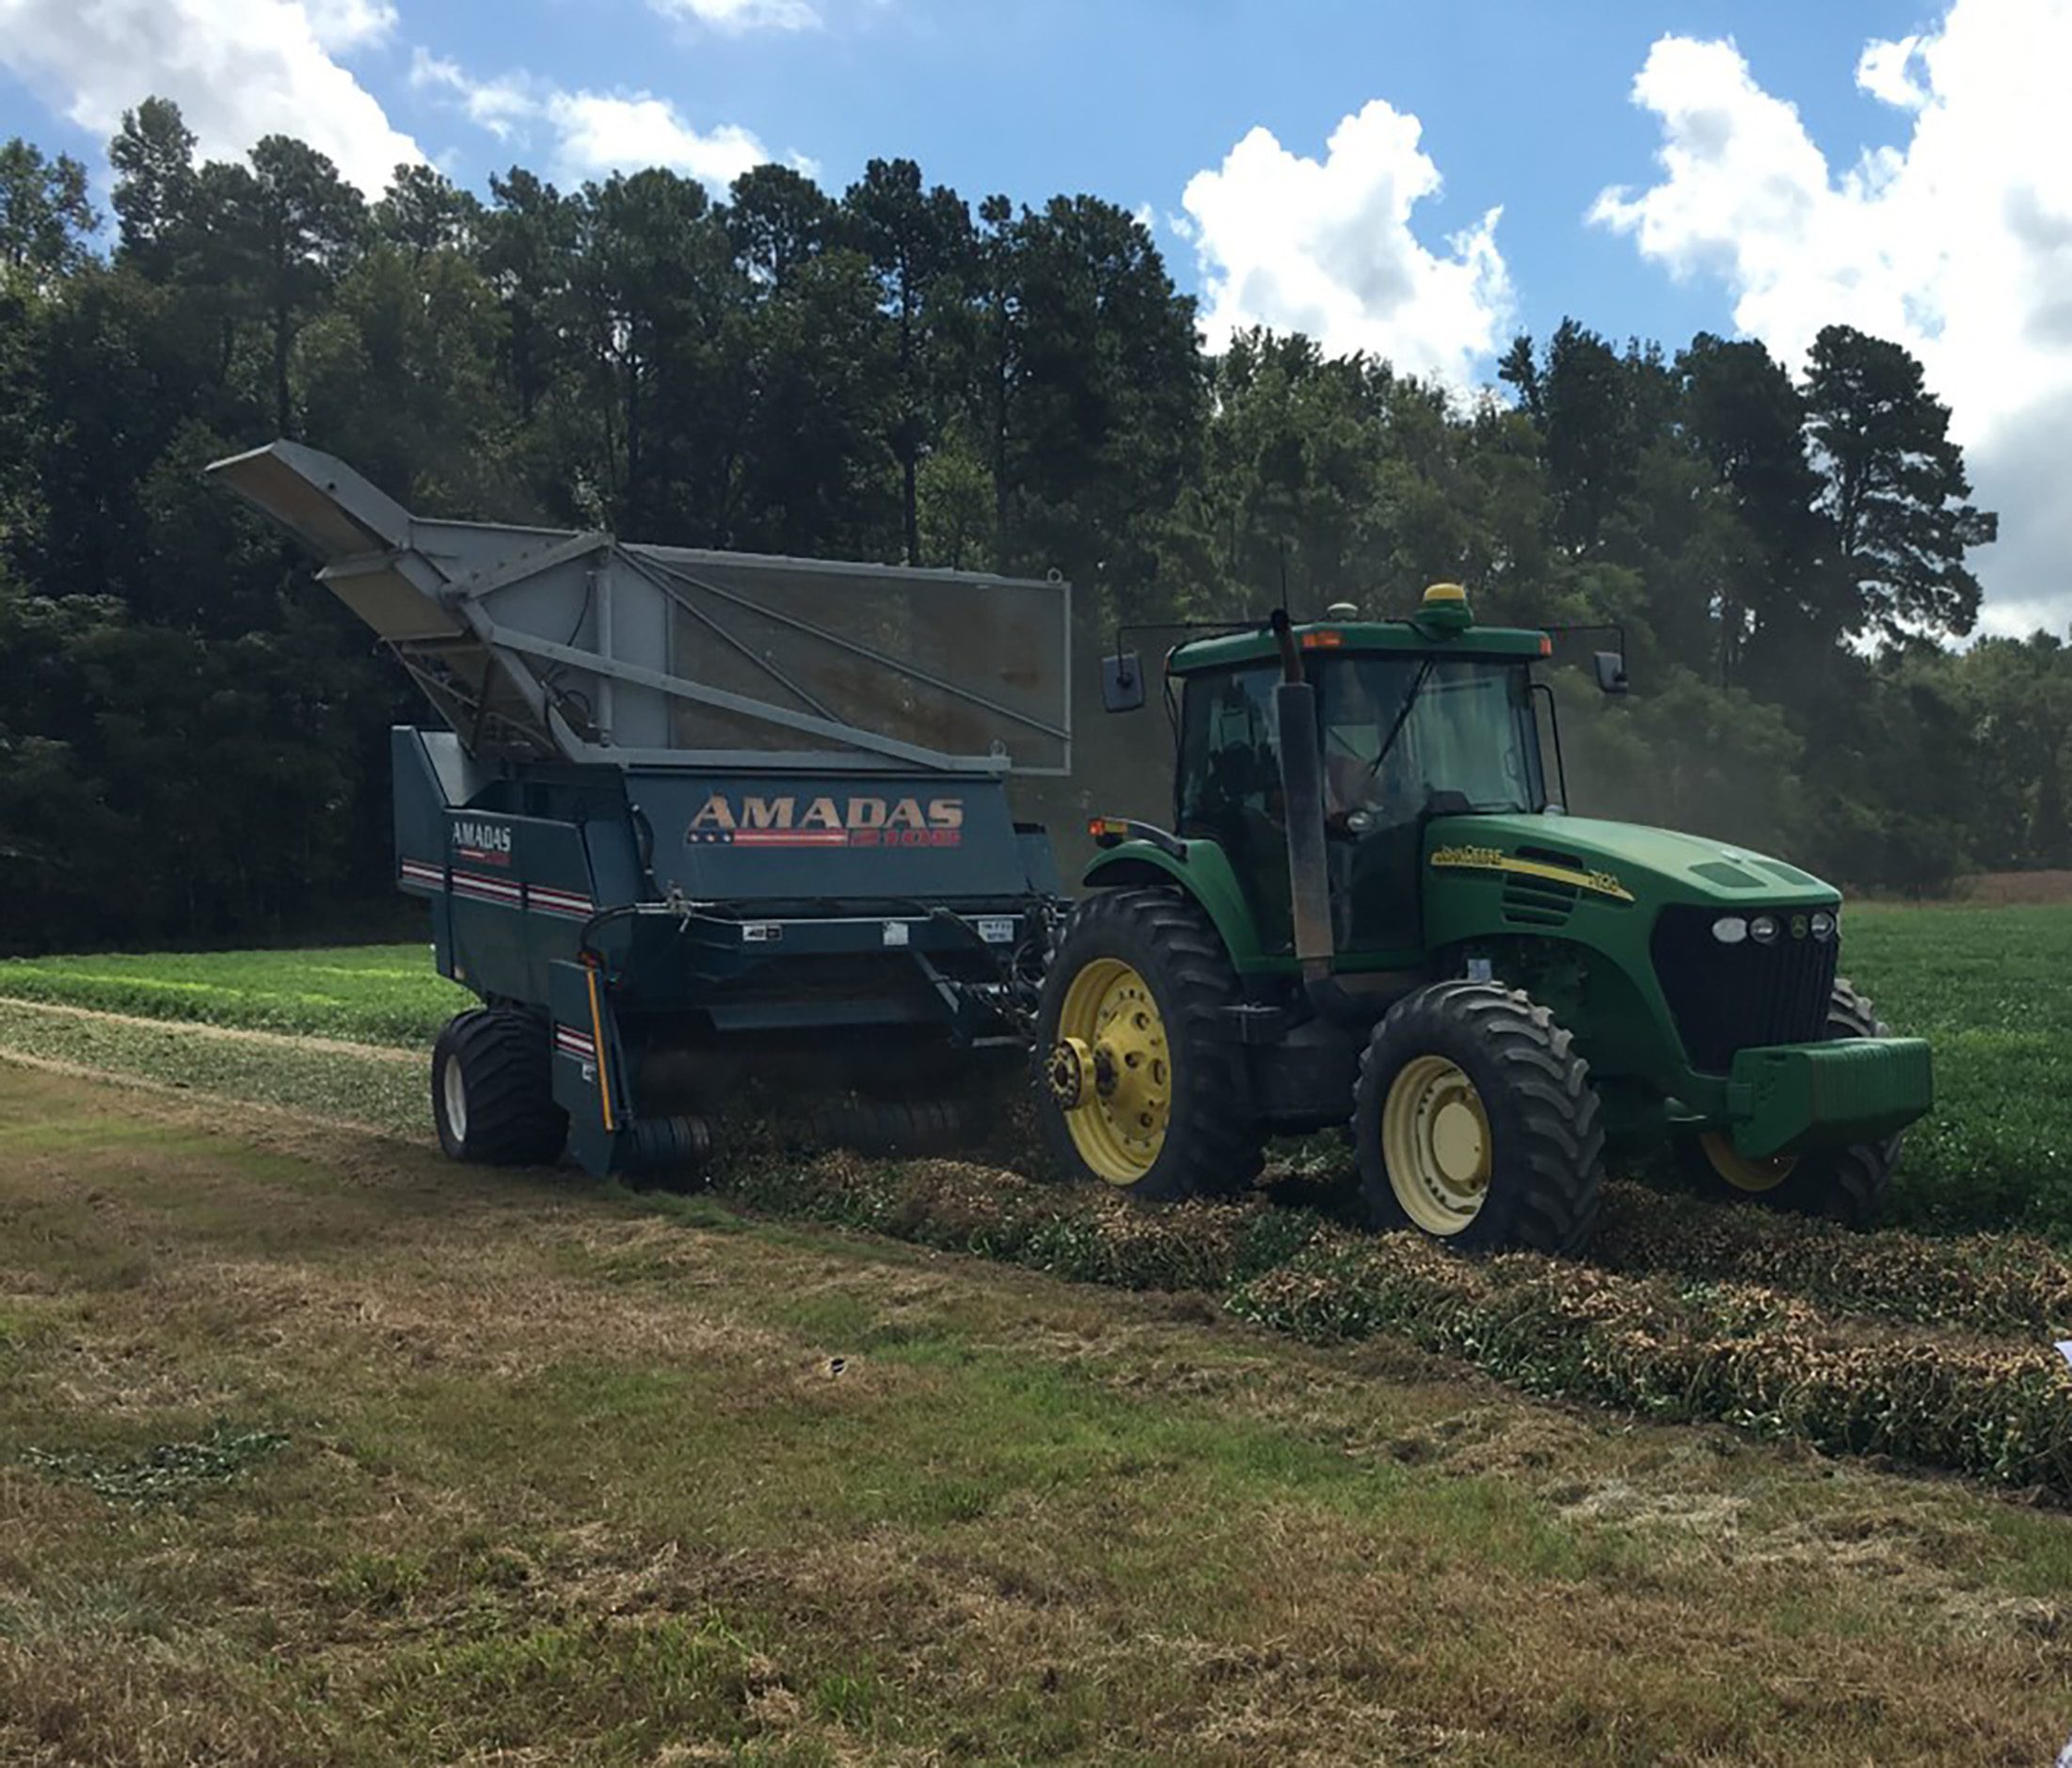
1743	1171
1071	1069
1110	1071
1459	1145
1436	1143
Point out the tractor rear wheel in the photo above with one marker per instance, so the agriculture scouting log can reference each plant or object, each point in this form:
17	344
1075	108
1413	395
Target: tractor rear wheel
1474	1119
1845	1185
1141	1081
493	1090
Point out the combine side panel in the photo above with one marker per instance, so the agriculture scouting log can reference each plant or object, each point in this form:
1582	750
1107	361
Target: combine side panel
509	894
918	837
588	1066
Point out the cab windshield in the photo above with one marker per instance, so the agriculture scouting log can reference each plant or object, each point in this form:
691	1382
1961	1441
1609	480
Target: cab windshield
1407	735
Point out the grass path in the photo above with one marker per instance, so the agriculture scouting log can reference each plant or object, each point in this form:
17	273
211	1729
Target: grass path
313	1447
263	1039
319	1078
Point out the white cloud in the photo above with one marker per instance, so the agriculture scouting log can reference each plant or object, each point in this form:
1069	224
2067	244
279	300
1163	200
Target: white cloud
342	27
601	133
1326	247
502	106
1957	245
1883	71
736	17
594	134
237	69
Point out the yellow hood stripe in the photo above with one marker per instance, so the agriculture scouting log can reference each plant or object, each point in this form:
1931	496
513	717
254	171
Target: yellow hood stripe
1601	884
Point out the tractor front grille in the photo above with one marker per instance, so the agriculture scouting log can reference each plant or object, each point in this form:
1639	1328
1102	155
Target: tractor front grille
1726	998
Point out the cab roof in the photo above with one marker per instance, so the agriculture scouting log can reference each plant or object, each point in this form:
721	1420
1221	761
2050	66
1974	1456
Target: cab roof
1330	638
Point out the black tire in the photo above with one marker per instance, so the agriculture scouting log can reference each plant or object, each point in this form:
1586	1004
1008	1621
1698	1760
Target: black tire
1545	1147
1845	1185
916	1128
1213	1144
493	1090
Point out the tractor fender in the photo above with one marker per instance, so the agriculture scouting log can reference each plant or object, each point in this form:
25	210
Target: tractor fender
1200	871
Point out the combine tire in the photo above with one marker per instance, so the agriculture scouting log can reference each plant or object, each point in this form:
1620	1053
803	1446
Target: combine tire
1141	1081
1474	1119
1845	1185
493	1090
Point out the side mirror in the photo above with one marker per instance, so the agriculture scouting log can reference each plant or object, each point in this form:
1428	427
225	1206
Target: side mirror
1611	672
1122	682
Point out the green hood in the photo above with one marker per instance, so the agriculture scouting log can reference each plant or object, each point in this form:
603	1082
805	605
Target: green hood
1656	865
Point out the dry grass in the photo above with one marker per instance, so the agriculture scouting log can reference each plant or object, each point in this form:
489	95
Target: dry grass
2002	888
565	1480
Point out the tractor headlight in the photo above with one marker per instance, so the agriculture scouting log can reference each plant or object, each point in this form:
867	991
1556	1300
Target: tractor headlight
1730	929
1764	930
1823	925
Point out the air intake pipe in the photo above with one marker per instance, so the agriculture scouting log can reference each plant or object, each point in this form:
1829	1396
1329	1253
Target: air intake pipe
1302	796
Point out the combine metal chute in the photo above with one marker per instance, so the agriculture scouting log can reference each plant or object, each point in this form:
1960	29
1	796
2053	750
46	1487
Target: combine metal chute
704	821
538	642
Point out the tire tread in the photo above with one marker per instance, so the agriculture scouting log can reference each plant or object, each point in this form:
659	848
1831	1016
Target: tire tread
506	1060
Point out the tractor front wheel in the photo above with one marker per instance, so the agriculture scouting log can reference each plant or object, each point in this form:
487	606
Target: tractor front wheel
493	1090
1474	1119
1845	1185
1141	1081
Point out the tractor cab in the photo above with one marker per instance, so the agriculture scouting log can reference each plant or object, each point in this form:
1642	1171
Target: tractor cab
1411	720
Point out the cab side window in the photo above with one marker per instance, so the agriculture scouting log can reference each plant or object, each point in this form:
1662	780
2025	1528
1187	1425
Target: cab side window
1229	788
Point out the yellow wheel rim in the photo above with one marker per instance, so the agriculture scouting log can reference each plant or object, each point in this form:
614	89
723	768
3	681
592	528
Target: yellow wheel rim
1436	1142
1110	1071
1739	1170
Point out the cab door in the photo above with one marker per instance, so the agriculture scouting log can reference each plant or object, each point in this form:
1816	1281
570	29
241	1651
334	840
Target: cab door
1228	788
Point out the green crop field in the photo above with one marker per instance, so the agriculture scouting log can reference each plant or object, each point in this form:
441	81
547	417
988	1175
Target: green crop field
1991	989
1990	986
364	994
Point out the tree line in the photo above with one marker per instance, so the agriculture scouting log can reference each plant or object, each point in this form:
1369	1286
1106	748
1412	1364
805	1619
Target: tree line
192	739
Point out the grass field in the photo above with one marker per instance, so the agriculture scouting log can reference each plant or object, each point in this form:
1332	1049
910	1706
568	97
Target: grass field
364	994
1991	986
314	1448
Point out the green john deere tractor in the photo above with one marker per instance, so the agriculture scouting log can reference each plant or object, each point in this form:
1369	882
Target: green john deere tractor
1369	906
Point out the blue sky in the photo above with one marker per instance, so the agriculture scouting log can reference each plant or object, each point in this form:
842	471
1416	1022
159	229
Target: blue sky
1325	165
1523	106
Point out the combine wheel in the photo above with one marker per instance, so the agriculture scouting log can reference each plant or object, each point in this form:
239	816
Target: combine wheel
1845	1185
1476	1120
493	1090
1141	1077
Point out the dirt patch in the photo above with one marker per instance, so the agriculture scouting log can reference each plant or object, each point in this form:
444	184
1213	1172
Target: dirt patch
2005	889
